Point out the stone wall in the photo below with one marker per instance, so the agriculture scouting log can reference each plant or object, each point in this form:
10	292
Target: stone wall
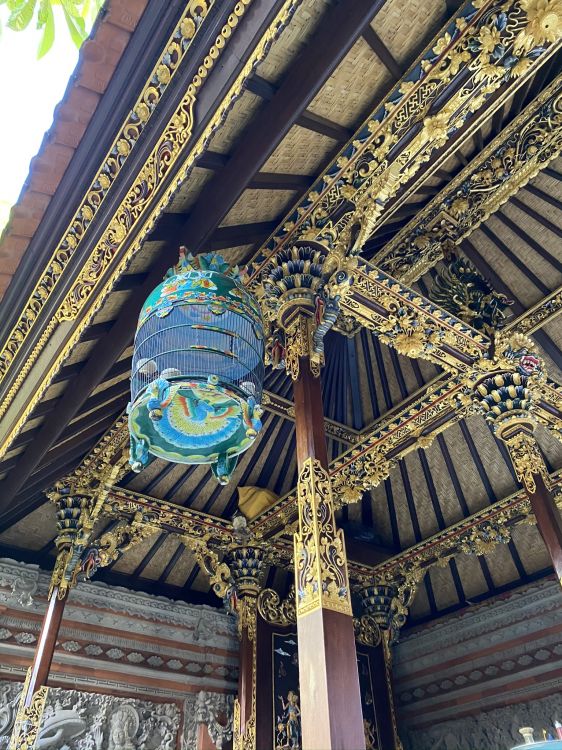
472	679
173	665
75	720
497	729
116	640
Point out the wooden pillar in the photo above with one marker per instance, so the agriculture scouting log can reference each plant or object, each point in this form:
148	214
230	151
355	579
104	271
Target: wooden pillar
377	628
507	400
300	292
45	649
331	715
531	471
549	522
34	695
245	705
247	567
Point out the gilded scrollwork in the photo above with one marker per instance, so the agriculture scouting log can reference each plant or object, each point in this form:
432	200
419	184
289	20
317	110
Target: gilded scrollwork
321	579
477	535
220	576
29	716
484	47
483	538
525	147
410	323
527	459
367	630
173	53
277	611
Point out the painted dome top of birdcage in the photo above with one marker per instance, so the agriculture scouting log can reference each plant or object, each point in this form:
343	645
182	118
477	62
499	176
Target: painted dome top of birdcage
205	279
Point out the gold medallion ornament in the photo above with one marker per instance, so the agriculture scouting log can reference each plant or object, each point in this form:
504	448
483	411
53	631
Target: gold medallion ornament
321	580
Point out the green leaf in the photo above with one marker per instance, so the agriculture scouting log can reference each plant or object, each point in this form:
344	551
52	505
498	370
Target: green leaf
21	17
76	27
48	33
72	7
45	8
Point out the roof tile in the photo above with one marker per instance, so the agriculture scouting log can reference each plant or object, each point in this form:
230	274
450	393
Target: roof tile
126	13
99	57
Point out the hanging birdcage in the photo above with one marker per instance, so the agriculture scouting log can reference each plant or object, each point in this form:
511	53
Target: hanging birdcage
198	368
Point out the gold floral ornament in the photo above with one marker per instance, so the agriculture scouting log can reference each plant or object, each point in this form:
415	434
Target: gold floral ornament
436	129
543	24
482	539
527	145
405	331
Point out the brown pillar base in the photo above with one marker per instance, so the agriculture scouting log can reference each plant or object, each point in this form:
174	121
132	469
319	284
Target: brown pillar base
331	717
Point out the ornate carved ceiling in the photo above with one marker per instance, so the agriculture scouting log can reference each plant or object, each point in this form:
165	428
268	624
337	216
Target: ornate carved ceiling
451	155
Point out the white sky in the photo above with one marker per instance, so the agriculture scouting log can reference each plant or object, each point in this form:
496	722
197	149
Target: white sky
31	89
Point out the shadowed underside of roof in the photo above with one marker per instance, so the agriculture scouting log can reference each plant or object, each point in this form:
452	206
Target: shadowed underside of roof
465	469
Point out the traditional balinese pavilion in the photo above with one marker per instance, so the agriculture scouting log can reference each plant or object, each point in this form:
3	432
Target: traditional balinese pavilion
388	173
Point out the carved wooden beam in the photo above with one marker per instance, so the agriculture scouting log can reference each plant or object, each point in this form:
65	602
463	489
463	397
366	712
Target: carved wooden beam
418	124
65	303
477	535
537	316
164	516
285	408
528	145
412	324
410	426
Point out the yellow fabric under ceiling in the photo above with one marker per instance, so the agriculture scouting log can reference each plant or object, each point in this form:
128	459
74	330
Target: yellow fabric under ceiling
254	500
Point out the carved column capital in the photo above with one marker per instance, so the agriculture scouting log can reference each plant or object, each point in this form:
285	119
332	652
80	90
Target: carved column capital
384	609
75	520
80	553
247	568
301	287
506	400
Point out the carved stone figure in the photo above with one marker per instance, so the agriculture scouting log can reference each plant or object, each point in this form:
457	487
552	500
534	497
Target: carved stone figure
124	726
215	710
87	721
59	724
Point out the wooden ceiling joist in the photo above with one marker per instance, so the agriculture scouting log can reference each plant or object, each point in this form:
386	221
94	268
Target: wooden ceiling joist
334	37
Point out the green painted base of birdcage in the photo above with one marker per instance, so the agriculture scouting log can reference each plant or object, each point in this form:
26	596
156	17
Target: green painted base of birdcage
193	422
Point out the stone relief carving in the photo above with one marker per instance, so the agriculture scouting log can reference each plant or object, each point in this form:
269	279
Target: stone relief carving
87	721
115	603
213	709
22	582
497	729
